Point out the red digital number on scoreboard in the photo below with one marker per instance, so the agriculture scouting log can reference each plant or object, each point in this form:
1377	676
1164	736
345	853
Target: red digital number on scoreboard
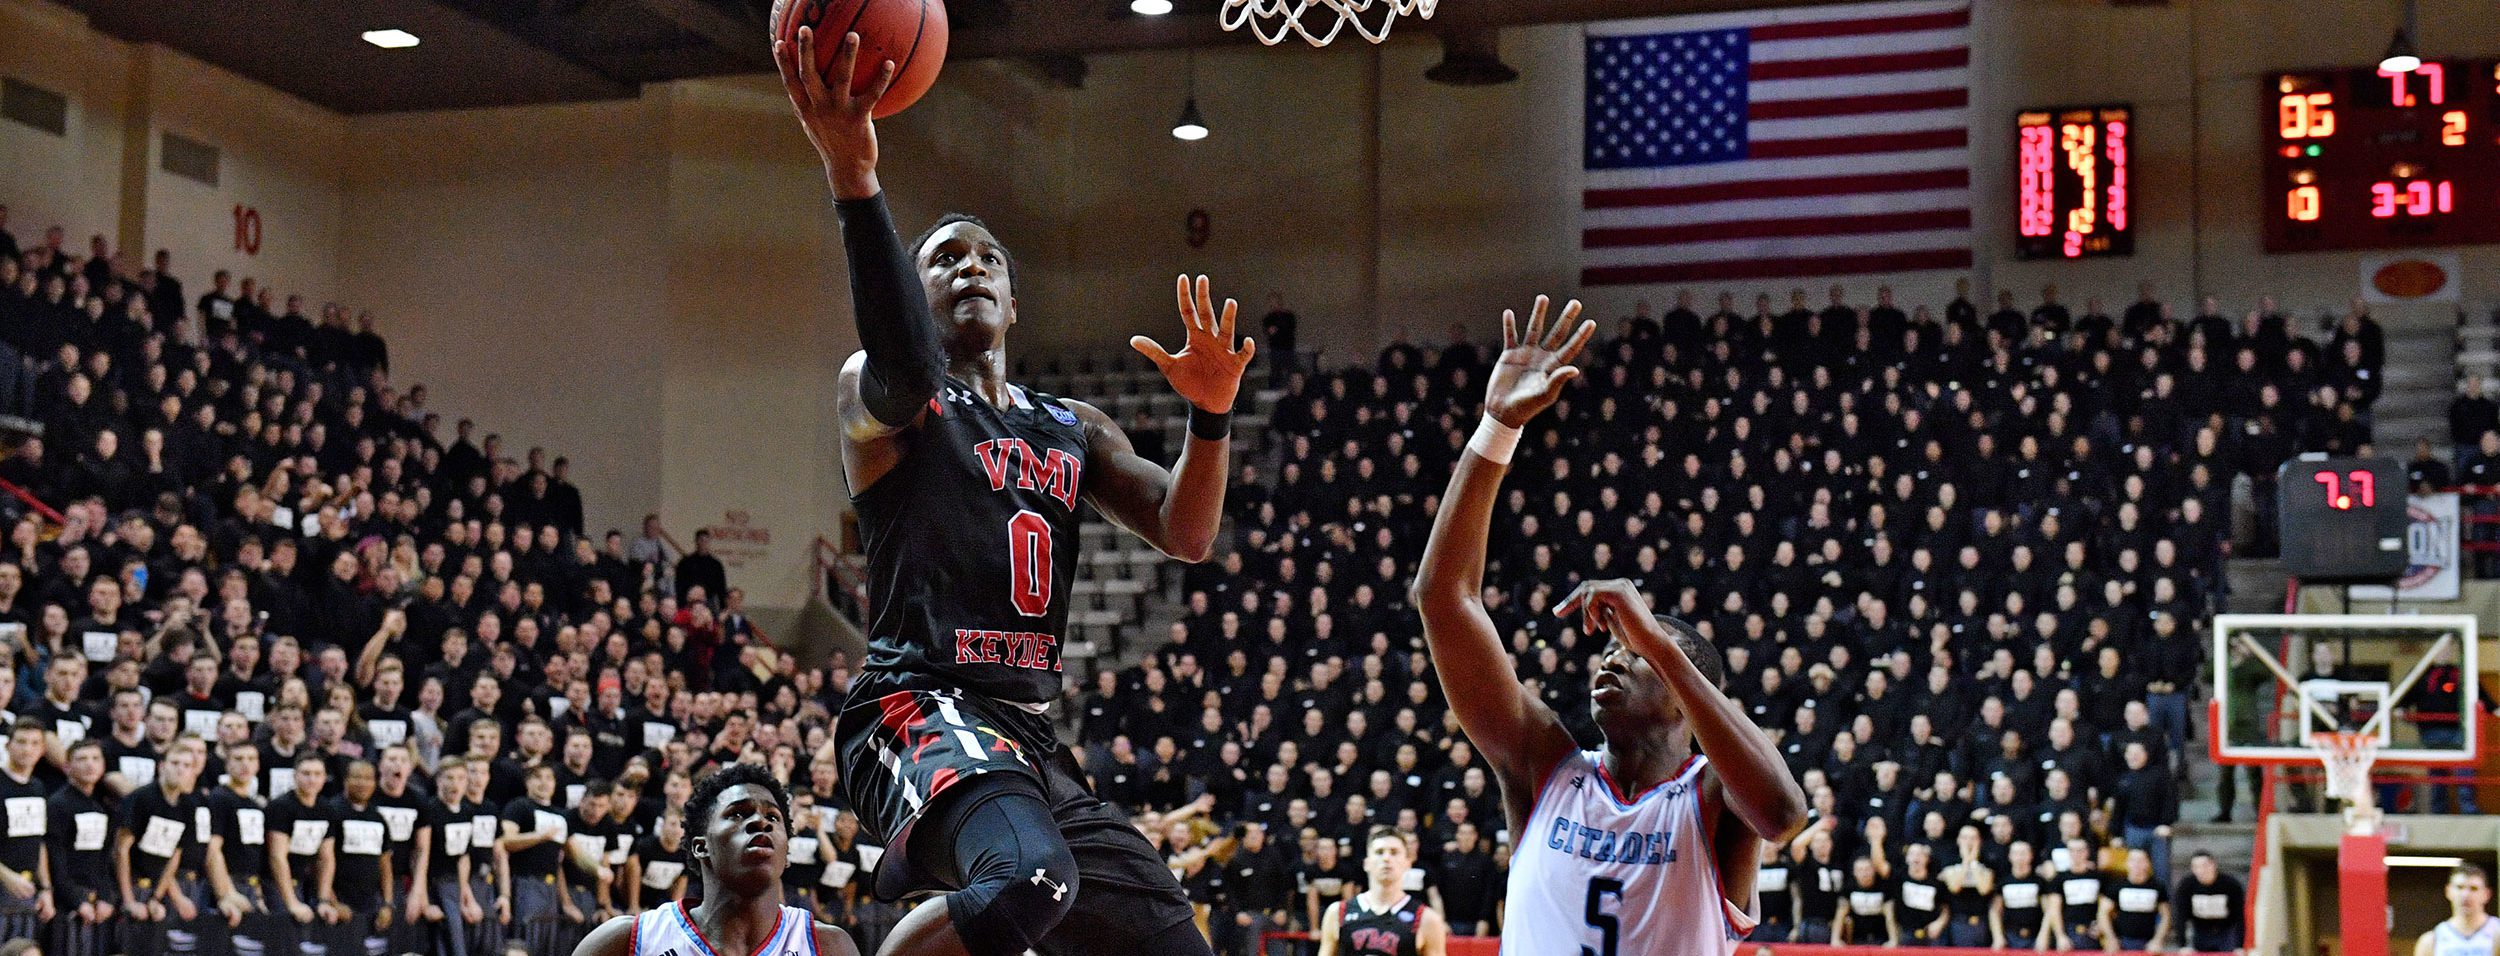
2362	158
2348	490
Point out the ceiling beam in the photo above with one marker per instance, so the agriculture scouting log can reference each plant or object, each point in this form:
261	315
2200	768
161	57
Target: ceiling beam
741	40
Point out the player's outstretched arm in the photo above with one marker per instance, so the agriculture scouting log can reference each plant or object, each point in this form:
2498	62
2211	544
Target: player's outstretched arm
613	938
1758	788
904	366
1514	730
1178	511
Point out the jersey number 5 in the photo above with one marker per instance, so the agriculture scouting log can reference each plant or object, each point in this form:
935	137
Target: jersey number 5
1028	563
1602	889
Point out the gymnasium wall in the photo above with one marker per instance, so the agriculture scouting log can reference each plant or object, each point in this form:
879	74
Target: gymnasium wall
517	258
278	156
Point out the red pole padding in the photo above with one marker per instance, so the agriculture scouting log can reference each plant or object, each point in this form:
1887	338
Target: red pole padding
2361	885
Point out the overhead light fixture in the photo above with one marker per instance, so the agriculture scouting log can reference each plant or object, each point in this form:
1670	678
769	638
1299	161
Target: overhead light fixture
1192	126
391	39
1471	58
2402	56
2426	862
1150	8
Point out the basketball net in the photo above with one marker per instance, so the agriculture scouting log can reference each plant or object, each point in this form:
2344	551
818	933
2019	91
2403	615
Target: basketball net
1318	22
2348	756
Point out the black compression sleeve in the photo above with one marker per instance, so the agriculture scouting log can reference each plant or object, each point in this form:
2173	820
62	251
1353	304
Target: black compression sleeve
904	363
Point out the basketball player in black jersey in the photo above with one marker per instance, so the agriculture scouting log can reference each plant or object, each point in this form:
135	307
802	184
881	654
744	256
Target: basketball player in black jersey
968	490
1384	919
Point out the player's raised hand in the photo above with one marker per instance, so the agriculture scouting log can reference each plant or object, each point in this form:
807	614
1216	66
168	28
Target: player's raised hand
1535	362
1207	371
1616	607
838	119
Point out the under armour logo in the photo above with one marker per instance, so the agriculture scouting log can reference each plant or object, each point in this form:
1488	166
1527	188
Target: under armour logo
1057	891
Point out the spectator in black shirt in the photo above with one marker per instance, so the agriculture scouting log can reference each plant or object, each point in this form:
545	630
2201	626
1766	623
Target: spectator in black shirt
2017	912
2426	473
1258	890
701	569
2471	414
534	835
2135	913
358	885
2145	805
77	832
156	861
238	853
2214	902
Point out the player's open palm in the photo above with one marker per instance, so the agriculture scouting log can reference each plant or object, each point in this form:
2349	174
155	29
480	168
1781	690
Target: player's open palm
838	118
1207	370
1535	362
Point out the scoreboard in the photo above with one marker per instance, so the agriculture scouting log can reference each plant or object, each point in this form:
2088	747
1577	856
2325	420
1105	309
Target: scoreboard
2366	159
2072	164
2342	519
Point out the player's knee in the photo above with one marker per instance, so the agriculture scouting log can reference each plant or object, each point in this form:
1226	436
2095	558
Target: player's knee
1008	907
1019	877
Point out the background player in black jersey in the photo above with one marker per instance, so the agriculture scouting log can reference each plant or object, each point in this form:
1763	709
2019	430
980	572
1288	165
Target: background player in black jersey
968	489
1384	919
738	849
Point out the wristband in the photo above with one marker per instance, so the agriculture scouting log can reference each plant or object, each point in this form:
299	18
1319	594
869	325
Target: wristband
1212	426
1494	441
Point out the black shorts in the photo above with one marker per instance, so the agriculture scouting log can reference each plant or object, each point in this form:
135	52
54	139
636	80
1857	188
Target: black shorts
902	748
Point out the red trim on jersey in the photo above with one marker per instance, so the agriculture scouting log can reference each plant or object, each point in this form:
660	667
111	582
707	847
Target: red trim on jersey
687	916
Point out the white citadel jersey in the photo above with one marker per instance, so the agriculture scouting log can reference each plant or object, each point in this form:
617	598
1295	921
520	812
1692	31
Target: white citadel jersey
669	931
1599	876
2448	940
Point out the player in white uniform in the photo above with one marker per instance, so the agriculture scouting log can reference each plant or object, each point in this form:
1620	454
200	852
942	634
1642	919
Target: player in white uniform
739	845
2469	929
1644	845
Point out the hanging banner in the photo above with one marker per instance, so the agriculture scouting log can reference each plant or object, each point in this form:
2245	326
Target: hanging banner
2431	574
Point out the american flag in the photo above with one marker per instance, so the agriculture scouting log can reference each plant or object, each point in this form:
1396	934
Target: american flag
1806	141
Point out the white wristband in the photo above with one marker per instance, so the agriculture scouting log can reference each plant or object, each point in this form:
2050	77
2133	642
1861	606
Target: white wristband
1494	441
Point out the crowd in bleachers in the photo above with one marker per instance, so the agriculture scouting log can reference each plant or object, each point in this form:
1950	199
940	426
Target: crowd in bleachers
258	612
1960	565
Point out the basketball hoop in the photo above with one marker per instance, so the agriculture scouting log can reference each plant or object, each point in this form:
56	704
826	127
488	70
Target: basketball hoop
2348	756
1318	22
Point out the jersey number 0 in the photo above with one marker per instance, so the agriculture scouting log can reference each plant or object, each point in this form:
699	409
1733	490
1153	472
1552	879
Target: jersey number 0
1028	561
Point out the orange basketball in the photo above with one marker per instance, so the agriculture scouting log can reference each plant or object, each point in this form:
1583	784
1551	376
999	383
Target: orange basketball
912	33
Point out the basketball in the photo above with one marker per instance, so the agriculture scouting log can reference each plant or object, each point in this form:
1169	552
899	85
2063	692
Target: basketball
912	33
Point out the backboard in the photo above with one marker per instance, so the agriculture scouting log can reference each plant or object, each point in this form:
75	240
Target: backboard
2283	680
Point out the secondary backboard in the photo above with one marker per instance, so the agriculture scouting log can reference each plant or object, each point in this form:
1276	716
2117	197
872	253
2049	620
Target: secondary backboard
2409	680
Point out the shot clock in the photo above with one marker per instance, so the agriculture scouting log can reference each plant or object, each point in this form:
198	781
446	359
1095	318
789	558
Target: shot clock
2366	159
2343	519
2071	165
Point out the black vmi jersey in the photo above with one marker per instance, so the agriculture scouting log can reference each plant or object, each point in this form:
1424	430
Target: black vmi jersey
972	545
1361	932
